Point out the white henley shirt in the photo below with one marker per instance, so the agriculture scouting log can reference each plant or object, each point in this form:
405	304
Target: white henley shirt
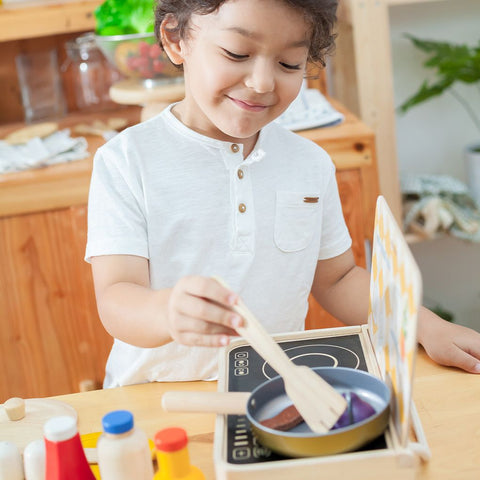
192	205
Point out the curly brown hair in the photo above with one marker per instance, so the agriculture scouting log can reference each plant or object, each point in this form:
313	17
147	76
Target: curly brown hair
320	15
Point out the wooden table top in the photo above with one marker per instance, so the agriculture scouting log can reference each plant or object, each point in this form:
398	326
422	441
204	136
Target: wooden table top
446	401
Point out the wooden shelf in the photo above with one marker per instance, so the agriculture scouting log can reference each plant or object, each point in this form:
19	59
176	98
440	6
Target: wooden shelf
29	19
344	142
56	186
416	238
41	18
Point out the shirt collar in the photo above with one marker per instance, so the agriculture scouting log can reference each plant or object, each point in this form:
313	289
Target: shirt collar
257	154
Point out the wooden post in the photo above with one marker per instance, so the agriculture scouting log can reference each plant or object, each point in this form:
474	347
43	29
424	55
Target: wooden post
362	80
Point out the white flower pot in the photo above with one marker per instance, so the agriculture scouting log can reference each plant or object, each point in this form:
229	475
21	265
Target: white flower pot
472	165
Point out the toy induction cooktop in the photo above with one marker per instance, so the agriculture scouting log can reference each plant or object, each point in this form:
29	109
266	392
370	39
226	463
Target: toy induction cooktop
385	347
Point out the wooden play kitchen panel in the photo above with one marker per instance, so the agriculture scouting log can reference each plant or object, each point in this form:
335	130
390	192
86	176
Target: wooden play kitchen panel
385	347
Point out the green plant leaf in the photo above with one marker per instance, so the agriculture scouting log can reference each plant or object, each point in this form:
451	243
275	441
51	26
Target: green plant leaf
449	62
425	92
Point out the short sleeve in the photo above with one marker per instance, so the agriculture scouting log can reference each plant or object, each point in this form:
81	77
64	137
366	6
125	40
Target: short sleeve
335	238
116	218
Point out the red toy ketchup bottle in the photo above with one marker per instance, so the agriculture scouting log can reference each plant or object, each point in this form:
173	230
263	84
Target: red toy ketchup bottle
65	457
172	456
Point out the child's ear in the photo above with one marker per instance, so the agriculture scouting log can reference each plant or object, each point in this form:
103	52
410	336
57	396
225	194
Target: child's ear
171	39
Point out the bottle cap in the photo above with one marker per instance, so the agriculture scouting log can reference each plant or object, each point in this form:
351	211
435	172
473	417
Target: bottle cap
171	439
118	421
59	429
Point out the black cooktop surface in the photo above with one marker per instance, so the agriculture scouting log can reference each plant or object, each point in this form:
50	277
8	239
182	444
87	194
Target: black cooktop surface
247	369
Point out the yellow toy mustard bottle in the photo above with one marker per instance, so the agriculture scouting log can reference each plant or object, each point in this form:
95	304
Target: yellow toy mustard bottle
173	459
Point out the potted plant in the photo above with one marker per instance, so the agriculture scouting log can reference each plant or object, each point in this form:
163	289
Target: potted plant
452	64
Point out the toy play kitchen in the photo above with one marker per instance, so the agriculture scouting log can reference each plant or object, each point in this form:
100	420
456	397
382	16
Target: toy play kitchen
225	444
385	348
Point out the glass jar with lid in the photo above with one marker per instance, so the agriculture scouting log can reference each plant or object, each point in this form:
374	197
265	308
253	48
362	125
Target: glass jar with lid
89	73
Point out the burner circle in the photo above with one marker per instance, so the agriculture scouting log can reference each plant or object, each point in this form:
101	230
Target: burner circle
334	361
317	355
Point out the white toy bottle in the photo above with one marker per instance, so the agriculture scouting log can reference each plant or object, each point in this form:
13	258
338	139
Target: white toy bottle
123	450
10	462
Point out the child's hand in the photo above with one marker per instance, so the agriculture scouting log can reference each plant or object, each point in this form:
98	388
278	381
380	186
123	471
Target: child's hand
449	344
199	312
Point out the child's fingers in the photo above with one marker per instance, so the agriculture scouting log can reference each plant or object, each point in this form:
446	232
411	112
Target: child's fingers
455	355
191	331
200	312
196	340
465	361
187	324
469	355
210	288
451	344
208	311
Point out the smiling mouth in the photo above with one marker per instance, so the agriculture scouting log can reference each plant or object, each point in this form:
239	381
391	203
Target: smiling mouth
249	106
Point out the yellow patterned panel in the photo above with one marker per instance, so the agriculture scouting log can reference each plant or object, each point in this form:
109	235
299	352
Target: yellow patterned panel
395	293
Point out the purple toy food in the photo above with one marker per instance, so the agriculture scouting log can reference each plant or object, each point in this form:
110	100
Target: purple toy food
356	411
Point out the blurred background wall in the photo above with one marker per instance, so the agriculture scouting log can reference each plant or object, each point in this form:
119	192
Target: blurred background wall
430	139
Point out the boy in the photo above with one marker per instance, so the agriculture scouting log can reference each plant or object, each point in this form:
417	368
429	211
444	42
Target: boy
212	187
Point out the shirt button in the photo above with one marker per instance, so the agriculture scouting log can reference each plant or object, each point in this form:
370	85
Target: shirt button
240	173
242	208
234	148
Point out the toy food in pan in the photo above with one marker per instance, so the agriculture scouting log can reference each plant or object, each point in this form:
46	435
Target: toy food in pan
269	398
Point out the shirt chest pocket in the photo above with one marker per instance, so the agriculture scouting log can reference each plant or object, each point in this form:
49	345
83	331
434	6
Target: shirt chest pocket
296	218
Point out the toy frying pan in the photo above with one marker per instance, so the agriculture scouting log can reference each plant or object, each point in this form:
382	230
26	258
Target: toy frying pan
269	398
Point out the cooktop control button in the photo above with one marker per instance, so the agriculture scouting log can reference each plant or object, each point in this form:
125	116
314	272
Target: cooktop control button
241	453
241	363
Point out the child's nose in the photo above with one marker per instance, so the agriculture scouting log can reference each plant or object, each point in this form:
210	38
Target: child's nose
261	78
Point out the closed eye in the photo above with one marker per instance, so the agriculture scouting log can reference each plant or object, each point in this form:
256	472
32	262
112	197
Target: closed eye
235	56
290	67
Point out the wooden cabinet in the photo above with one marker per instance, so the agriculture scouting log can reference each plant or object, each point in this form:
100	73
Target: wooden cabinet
51	337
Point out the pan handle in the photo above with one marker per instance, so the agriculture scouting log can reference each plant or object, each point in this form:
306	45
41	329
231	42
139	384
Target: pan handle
233	403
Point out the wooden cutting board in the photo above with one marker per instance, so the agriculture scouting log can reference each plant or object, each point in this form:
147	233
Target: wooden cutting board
30	427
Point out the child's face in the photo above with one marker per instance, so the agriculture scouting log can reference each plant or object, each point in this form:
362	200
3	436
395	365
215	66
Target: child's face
243	66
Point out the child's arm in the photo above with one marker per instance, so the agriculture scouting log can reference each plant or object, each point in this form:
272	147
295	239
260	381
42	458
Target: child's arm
193	312
342	288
